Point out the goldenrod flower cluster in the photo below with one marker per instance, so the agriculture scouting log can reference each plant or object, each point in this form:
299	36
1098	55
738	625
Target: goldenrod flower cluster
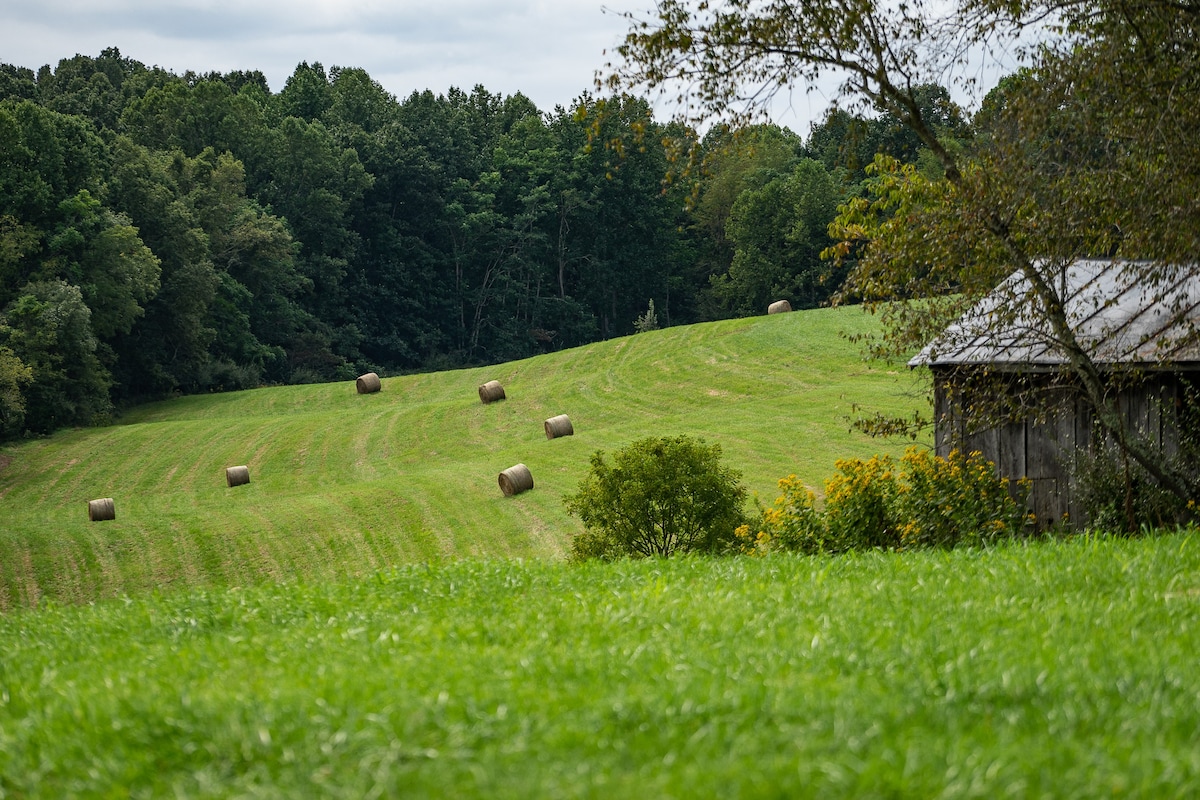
925	501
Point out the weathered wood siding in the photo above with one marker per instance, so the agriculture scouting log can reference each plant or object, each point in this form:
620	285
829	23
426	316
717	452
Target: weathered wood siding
1042	447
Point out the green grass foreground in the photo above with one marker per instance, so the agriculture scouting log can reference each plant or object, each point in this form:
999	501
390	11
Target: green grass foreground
345	484
1057	669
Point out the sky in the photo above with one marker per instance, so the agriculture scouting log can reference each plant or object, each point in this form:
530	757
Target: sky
549	50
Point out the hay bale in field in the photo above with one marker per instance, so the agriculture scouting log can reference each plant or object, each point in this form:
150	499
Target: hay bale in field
779	307
515	479
369	383
237	476
490	392
102	509
559	426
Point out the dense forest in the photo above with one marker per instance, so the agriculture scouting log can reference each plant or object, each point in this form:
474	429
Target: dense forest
164	233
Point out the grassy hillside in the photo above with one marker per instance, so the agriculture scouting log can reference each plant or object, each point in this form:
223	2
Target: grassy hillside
1062	669
345	484
384	663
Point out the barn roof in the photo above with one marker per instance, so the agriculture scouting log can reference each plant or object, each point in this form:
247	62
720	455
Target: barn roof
1123	312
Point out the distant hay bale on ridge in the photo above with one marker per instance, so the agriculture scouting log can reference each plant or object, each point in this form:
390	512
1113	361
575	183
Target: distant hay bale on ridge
368	384
779	307
102	509
515	479
237	476
490	392
559	426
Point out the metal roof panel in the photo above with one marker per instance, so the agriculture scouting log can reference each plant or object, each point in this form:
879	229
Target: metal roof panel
1123	312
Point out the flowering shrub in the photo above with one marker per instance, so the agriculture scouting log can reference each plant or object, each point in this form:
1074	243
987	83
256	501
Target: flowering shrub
929	501
860	504
793	523
955	500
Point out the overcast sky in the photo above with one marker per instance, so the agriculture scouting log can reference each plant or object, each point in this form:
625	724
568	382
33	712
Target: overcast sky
547	49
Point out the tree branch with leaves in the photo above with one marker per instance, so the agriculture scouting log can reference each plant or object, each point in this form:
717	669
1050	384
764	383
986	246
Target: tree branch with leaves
1090	151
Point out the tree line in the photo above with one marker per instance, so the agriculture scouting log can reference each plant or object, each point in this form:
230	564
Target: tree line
164	233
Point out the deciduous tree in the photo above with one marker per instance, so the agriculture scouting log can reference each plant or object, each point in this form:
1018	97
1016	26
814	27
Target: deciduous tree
779	232
48	327
1098	157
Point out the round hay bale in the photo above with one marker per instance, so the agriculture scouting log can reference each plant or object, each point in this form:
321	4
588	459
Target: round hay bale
102	509
490	392
369	383
559	426
779	307
515	479
237	476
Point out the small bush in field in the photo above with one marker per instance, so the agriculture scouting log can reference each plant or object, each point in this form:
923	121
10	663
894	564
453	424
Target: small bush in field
647	321
929	501
658	496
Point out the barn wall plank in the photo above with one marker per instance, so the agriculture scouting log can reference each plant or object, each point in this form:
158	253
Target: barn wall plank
1045	451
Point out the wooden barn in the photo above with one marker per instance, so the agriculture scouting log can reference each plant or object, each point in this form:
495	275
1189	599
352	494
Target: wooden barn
1002	387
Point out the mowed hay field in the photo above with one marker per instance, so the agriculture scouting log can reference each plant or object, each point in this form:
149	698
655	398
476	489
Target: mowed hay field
1041	668
343	484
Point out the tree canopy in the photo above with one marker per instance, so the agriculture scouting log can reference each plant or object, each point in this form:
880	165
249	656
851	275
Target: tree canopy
220	235
1090	150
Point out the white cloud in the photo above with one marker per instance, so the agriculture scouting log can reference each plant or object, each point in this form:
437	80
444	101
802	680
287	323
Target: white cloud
547	50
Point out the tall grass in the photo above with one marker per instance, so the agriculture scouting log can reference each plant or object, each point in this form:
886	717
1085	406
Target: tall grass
1060	669
345	484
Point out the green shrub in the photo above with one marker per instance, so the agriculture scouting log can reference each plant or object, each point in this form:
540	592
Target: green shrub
658	496
1122	497
647	321
929	501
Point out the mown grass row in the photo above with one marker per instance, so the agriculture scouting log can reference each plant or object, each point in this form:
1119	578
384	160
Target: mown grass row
1055	669
345	484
